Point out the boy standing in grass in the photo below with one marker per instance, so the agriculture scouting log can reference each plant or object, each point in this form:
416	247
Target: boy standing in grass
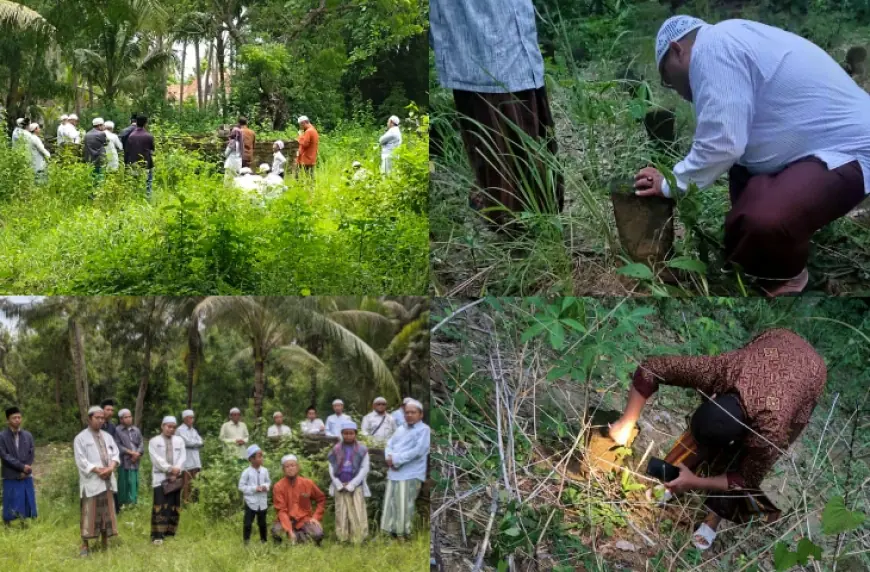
254	484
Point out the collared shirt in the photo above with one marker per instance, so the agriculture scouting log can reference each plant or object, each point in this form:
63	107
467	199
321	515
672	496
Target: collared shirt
192	444
308	143
166	454
38	153
487	46
381	427
16	450
129	439
112	150
334	422
765	98
390	141
248	483
399	417
409	448
778	377
110	428
90	454
231	432
315	427
293	502
279	431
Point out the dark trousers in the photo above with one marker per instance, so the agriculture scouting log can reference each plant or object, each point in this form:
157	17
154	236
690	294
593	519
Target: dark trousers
773	217
249	523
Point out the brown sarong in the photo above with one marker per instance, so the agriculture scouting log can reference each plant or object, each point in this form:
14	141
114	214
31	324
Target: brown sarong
511	173
773	217
98	516
187	494
737	506
311	531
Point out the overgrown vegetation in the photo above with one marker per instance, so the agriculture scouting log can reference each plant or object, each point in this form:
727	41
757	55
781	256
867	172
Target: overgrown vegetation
515	383
602	80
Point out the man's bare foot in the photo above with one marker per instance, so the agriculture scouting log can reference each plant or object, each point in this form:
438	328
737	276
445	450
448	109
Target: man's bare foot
794	286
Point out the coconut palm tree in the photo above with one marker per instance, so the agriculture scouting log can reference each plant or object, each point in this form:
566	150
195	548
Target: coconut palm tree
273	326
21	17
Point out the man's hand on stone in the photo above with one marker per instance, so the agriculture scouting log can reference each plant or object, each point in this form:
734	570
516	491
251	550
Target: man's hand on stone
648	183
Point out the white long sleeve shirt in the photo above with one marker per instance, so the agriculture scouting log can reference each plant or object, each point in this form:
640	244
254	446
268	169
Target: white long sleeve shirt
38	153
765	98
87	456
159	464
279	431
230	432
381	427
278	161
192	444
399	417
112	150
334	422
390	140
248	483
315	427
409	448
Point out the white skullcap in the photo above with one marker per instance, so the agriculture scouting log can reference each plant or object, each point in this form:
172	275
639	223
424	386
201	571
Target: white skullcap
303	119
348	425
338	402
253	450
123	412
287	458
33	127
234	410
94	409
381	399
416	404
187	413
276	414
245	171
169	419
356	164
673	30
110	124
394	119
279	144
19	122
98	121
265	167
406	400
64	117
73	116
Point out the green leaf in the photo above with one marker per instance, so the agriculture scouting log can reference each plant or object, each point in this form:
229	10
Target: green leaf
637	270
574	325
688	264
558	372
459	400
836	518
438	420
503	566
783	558
807	548
536	329
557	336
513	531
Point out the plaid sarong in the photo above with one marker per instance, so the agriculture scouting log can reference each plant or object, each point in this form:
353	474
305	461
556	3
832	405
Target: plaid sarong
98	516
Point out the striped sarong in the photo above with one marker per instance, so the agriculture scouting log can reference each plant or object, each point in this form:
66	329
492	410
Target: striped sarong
128	486
19	499
165	513
351	518
399	506
98	516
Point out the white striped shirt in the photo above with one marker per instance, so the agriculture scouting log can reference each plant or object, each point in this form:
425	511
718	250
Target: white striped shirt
765	98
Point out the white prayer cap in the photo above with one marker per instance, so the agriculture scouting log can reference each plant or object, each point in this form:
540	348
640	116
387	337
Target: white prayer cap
123	412
279	144
98	121
379	400
673	30
394	119
234	410
303	119
187	413
110	124
415	403
406	400
33	127
276	414
169	419
245	171
253	450
338	402
19	122
264	167
73	117
287	458
64	117
348	425
94	409
356	164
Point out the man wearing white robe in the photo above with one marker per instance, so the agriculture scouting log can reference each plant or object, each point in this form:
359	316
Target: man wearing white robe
312	425
406	455
235	433
278	428
389	141
38	153
192	444
113	148
96	456
335	421
379	424
168	454
20	130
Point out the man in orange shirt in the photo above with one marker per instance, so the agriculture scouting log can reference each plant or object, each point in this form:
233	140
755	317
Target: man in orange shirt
306	157
248	140
292	498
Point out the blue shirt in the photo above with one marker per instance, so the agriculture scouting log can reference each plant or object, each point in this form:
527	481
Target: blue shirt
409	448
487	46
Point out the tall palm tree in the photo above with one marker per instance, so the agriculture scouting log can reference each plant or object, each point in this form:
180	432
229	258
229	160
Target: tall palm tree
272	325
21	17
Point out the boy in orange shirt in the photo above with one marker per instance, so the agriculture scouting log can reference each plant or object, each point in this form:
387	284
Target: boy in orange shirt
292	497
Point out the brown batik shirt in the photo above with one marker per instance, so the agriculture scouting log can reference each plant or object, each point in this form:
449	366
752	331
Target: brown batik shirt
778	376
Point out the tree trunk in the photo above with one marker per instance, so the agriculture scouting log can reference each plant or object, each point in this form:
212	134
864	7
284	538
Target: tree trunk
57	392
78	93
181	81
91	94
145	378
259	384
163	73
198	74
11	96
194	349
220	53
314	346
80	370
209	75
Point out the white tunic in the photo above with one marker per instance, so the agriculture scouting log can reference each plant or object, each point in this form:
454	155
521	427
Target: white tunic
157	452
112	150
334	422
390	140
192	444
278	161
315	427
381	427
765	98
87	456
251	479
279	431
38	153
